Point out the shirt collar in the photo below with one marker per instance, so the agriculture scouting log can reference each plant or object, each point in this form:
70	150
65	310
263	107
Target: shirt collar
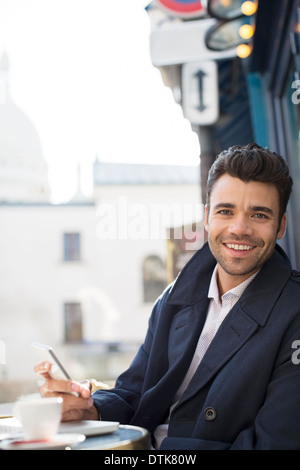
213	291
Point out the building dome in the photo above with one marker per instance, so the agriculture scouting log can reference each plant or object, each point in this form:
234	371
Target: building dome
23	170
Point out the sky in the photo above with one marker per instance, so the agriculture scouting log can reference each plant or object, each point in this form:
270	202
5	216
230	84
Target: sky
81	70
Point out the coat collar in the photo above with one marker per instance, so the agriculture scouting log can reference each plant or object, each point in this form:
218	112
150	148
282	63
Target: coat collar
195	274
192	284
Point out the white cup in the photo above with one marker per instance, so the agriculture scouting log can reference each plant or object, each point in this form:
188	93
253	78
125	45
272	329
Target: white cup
40	418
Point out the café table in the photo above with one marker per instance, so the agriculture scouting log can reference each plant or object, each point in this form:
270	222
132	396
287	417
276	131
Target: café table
127	437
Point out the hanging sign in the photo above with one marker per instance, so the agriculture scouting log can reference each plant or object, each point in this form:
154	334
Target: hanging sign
183	8
200	94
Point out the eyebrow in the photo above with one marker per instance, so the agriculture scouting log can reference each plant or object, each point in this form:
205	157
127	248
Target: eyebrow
262	209
228	205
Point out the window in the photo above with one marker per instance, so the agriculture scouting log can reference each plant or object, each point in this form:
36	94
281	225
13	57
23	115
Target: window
291	127
154	277
71	247
73	322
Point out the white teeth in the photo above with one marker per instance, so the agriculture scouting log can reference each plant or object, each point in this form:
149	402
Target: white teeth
239	247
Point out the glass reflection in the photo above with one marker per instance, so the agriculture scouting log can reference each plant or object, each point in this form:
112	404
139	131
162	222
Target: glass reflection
225	9
225	35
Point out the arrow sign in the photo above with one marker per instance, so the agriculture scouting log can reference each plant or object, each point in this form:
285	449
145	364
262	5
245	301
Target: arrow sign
200	75
200	92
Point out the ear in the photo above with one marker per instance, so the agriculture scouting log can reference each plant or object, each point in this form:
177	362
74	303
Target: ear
206	225
282	227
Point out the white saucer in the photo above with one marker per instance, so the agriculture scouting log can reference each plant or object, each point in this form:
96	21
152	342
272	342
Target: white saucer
60	441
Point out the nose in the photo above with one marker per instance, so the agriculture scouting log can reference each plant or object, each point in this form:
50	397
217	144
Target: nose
240	225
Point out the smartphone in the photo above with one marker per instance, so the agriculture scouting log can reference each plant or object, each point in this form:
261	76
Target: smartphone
46	353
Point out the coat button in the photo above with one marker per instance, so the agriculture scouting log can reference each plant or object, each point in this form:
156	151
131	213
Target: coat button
210	413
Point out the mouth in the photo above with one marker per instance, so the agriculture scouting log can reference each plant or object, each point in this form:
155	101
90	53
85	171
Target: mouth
239	247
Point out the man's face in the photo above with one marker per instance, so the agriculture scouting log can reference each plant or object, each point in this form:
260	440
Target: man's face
243	225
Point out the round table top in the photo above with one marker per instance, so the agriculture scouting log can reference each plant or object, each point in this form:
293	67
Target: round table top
126	438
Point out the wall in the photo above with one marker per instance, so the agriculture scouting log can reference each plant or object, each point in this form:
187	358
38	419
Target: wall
108	282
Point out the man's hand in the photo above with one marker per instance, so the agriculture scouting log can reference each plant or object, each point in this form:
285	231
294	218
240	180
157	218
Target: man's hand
74	408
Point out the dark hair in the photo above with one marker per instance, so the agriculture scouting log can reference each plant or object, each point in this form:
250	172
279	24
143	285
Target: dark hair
253	163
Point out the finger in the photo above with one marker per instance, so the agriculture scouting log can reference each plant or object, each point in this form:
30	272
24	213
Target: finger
42	367
86	383
85	388
65	386
81	389
60	386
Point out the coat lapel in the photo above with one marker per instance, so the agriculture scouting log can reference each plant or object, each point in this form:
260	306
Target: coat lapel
184	333
233	333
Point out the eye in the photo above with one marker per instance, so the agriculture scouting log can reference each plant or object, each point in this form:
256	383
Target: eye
260	216
224	212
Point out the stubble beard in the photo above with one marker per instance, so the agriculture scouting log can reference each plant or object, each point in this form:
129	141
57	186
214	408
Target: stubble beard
236	266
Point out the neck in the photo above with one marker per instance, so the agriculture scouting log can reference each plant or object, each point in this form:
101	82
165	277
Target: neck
228	281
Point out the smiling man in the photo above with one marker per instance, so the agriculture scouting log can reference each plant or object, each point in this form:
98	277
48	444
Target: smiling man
243	220
215	370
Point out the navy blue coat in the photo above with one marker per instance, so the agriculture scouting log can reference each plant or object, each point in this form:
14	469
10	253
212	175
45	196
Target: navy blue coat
245	393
